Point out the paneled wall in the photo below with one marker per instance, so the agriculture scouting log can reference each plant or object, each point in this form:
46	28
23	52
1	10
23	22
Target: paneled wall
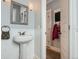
10	50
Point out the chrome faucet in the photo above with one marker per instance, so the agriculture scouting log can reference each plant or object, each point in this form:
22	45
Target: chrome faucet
21	33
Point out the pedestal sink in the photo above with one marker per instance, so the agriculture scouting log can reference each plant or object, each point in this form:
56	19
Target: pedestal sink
23	39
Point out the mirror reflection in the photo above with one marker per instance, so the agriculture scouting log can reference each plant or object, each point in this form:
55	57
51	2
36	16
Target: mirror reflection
19	13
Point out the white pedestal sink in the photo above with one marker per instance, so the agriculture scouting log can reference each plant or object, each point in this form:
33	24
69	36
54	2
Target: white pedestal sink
23	39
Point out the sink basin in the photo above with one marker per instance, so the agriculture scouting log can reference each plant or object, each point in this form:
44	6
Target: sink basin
22	39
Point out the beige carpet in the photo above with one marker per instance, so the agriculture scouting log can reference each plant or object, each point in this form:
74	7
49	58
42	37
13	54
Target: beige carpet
52	54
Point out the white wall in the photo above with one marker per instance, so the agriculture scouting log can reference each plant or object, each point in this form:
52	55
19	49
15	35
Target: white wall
37	27
53	5
73	29
64	29
10	50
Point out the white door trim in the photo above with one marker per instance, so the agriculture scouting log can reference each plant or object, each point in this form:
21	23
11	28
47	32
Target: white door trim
65	52
43	30
73	16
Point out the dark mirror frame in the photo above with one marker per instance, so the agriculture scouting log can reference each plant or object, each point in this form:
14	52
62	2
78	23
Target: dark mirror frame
11	13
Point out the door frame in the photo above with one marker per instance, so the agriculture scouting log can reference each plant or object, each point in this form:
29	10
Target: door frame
68	13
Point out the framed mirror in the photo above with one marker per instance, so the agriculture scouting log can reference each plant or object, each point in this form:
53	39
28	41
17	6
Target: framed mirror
19	13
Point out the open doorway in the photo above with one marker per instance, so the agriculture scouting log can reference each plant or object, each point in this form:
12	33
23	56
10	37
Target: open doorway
53	30
68	36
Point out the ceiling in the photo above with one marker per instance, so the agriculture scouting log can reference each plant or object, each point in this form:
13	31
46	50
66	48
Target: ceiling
48	1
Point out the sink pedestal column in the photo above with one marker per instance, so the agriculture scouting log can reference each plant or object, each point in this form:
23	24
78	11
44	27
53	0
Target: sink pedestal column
20	51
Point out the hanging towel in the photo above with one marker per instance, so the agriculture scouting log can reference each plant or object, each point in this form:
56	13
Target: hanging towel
56	32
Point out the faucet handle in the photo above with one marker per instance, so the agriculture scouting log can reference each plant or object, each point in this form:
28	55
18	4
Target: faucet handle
23	33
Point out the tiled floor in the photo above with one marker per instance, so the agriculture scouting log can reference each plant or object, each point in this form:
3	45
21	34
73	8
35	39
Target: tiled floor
52	54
